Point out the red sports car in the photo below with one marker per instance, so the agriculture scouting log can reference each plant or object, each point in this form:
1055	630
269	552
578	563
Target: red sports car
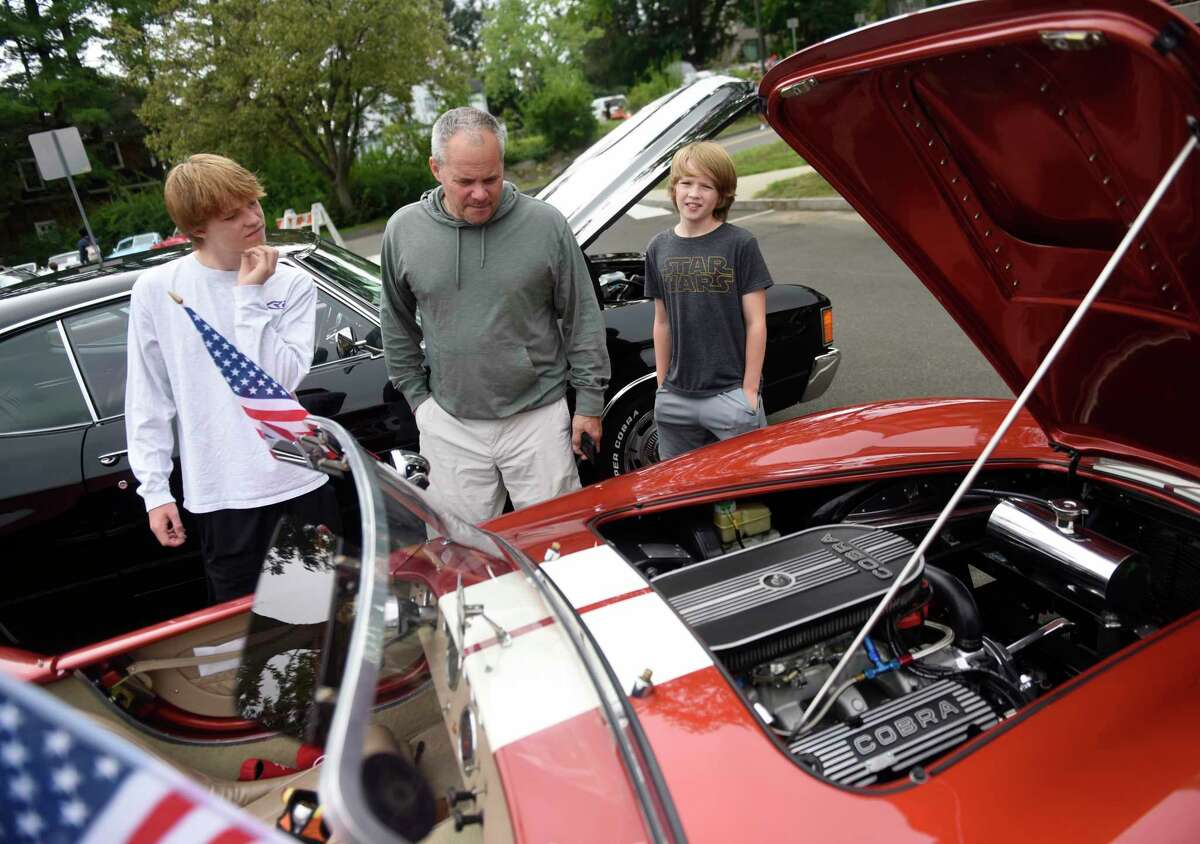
932	619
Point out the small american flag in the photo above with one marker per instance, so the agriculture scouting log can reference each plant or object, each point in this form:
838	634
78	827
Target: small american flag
274	411
64	779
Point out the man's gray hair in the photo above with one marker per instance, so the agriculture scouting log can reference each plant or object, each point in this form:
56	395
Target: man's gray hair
464	119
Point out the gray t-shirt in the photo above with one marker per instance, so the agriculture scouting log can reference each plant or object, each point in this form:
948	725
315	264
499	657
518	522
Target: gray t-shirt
702	280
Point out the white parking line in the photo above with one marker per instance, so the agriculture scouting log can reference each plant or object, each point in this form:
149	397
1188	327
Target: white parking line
645	212
752	216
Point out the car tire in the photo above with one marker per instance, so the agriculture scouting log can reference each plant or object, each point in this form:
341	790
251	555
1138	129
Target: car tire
630	438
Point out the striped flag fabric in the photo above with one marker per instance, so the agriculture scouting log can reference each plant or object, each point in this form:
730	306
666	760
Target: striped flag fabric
274	411
64	780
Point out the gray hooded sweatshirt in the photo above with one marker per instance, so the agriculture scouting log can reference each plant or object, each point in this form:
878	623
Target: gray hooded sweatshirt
491	297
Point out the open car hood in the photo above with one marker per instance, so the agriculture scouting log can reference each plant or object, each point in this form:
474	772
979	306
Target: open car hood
1003	149
616	171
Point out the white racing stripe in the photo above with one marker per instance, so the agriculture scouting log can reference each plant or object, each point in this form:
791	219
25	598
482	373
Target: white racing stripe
532	685
538	680
593	575
507	600
644	632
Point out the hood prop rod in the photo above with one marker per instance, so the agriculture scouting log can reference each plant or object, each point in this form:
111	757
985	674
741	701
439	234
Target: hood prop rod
814	706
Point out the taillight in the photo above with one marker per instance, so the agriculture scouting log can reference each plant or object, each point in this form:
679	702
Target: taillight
827	326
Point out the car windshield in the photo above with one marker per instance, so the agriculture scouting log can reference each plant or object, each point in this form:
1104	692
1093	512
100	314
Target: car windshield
357	275
498	622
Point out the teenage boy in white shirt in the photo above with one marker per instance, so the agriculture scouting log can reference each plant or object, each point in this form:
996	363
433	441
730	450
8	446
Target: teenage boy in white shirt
233	486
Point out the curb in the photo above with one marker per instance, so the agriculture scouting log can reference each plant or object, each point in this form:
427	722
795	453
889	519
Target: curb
809	203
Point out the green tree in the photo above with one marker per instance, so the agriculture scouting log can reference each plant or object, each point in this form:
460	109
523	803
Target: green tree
561	109
465	17
242	76
522	40
45	85
818	19
639	35
135	29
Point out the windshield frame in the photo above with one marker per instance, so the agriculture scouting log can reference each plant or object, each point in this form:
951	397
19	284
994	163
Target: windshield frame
341	775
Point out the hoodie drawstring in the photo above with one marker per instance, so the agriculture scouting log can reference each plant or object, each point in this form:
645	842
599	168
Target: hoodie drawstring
482	244
458	258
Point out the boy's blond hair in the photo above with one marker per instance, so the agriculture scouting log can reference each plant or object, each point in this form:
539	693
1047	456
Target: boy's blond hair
706	158
206	186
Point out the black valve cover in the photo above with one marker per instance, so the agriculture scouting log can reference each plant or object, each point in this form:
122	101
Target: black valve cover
797	580
898	735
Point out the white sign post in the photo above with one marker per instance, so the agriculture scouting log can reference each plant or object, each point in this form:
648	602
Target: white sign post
60	154
792	24
314	218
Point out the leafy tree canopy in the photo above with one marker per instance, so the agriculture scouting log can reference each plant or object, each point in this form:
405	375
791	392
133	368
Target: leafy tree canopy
45	85
522	41
818	20
639	35
241	76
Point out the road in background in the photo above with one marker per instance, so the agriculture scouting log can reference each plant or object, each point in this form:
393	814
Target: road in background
896	340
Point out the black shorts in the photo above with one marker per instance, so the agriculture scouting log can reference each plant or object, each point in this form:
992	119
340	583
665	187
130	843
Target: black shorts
233	543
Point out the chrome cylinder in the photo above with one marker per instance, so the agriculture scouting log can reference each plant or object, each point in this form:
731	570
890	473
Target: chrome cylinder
1088	560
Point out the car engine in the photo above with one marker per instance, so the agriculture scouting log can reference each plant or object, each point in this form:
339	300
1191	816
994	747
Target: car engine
1021	591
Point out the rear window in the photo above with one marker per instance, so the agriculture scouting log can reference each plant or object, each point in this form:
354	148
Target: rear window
38	388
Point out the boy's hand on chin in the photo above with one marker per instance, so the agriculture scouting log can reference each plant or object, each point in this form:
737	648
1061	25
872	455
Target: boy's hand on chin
258	264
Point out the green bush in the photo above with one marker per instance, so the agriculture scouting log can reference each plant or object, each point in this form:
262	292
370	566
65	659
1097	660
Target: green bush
381	183
561	109
290	182
129	213
653	85
526	147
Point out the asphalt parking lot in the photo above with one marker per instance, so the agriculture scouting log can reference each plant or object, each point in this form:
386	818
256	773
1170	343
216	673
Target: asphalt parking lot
896	340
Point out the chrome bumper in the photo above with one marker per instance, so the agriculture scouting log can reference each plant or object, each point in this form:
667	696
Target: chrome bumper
823	369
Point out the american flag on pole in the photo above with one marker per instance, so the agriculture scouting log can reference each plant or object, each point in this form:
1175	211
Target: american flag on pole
64	779
274	411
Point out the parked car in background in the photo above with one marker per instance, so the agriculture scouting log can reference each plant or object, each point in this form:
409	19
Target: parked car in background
67	496
177	238
15	275
612	107
63	261
135	243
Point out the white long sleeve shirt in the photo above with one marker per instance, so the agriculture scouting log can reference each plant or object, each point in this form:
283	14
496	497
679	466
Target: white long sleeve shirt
171	376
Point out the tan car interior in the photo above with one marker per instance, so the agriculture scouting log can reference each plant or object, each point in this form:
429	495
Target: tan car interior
412	726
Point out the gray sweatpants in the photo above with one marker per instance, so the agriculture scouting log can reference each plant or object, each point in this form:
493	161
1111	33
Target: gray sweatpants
688	423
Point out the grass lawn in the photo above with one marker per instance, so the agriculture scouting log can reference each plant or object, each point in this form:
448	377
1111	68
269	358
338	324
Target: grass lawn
362	229
742	124
804	185
761	159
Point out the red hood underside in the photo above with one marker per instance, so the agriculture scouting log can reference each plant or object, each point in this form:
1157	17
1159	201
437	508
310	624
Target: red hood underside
1005	169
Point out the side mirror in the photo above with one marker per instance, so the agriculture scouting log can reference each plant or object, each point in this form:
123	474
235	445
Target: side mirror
403	615
412	467
348	344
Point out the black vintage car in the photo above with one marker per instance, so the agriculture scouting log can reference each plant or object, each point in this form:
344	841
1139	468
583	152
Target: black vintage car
78	556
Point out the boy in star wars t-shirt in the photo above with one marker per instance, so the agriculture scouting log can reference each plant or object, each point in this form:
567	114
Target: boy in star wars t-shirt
708	281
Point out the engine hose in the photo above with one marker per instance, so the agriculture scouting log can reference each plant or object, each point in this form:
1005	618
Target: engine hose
958	600
997	683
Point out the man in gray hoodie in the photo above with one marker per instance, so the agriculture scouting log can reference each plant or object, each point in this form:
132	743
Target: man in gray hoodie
492	273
